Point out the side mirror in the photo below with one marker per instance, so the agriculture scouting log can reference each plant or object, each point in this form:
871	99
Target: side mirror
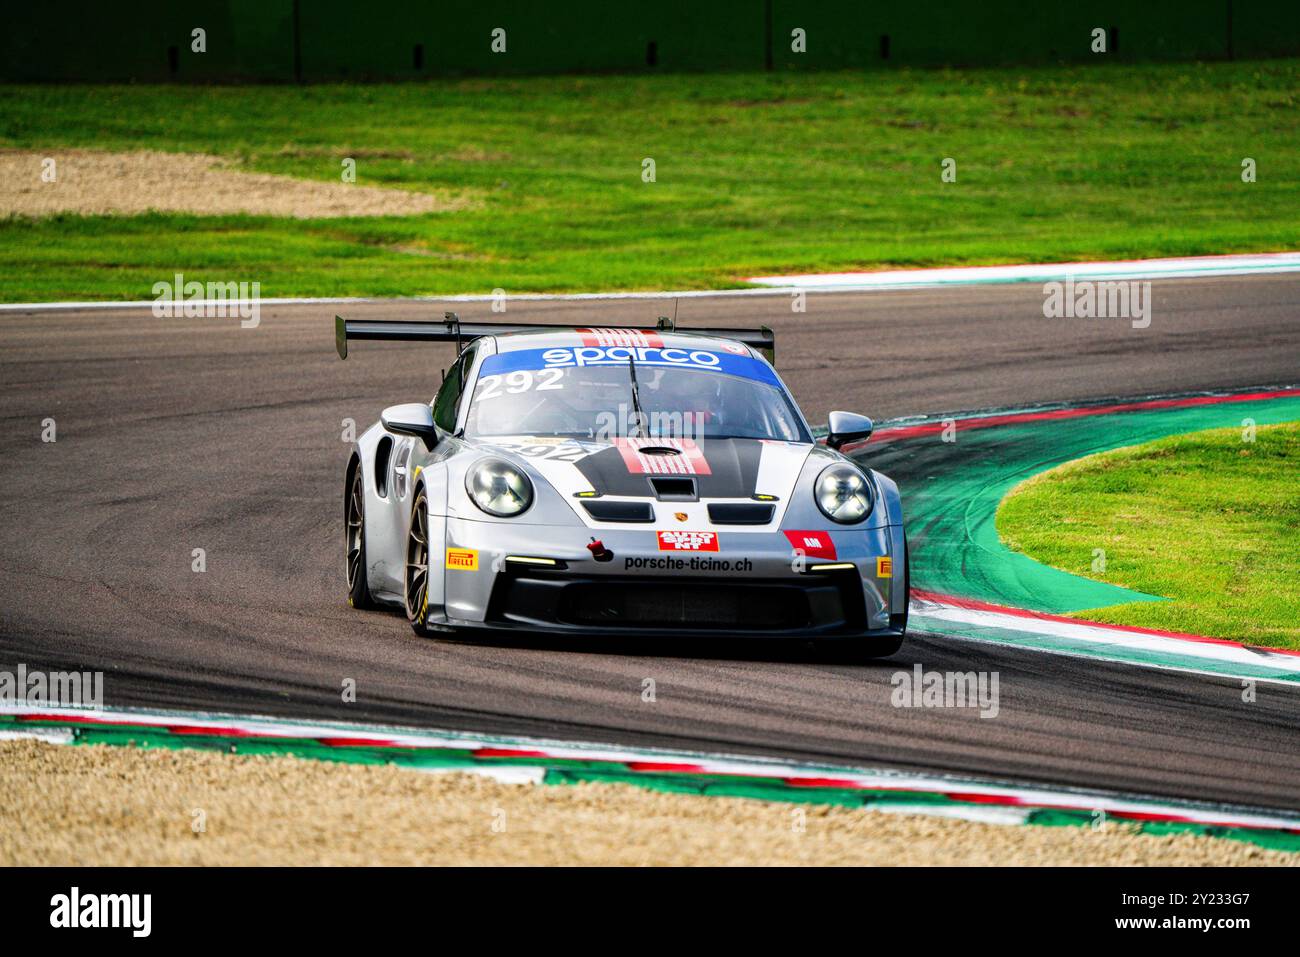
847	427
412	418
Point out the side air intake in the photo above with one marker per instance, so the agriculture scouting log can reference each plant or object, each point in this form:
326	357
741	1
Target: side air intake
620	511
740	513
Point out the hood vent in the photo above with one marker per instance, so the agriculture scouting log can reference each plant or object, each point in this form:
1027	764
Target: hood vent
740	513
674	489
620	511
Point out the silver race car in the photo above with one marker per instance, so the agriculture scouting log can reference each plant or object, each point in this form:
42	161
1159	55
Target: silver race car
620	481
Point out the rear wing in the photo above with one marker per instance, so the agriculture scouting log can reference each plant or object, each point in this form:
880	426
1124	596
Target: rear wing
451	329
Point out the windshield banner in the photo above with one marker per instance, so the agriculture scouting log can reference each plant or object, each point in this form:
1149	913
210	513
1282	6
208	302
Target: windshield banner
566	357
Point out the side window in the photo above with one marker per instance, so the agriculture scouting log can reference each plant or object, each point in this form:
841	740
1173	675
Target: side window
444	406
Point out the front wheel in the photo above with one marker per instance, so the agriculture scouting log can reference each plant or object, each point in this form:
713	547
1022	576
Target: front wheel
907	585
871	648
354	525
416	590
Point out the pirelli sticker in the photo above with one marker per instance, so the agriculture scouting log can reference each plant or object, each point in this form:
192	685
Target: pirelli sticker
884	567
462	559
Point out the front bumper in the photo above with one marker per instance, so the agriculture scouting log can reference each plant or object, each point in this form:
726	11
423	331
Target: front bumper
751	585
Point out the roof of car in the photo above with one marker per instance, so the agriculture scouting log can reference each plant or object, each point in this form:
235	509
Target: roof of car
612	336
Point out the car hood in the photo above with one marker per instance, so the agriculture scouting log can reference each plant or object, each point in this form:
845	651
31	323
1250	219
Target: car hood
629	468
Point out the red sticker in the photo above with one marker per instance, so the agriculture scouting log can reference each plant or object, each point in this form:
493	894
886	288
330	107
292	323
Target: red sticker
688	541
607	338
685	457
813	544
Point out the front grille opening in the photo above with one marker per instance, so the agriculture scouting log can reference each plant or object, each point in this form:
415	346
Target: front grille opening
830	603
647	605
674	489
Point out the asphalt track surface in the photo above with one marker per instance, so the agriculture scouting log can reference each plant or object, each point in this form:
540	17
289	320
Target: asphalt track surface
194	433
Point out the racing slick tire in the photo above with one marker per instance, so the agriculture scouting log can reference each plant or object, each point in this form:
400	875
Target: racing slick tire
415	579
354	530
907	587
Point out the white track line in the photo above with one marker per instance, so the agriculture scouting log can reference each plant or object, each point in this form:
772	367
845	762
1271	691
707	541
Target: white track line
326	301
1191	267
1183	268
1089	639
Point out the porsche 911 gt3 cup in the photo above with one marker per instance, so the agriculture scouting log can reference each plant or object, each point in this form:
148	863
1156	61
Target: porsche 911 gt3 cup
619	481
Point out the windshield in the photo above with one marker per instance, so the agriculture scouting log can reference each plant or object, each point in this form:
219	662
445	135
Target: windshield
587	393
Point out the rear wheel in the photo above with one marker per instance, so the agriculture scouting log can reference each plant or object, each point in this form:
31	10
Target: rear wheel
416	589
354	530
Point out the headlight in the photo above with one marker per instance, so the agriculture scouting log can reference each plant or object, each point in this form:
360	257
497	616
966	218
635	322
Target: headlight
843	494
498	488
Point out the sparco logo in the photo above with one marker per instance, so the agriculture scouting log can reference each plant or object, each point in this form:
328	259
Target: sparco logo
133	911
619	355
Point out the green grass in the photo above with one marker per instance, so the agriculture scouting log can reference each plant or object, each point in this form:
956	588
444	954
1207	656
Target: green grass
757	173
1207	520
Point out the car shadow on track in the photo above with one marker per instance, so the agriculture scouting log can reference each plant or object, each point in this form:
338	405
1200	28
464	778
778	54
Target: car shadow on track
760	649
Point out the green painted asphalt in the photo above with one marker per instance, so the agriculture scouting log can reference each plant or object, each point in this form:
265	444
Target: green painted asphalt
951	493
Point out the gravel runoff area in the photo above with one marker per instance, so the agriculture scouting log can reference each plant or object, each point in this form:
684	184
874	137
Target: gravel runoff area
89	182
99	805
